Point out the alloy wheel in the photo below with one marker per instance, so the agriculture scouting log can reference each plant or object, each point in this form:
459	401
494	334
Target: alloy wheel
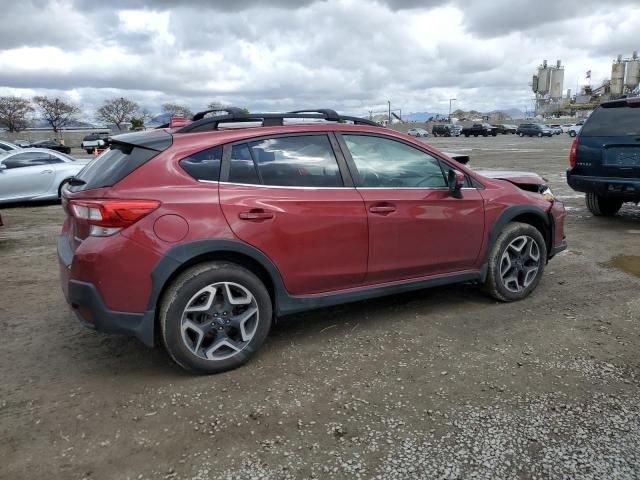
219	321
520	263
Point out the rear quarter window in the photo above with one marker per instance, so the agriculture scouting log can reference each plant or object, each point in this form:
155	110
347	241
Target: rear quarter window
612	122
204	165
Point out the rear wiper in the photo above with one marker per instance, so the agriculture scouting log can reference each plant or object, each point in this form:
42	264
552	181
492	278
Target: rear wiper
75	182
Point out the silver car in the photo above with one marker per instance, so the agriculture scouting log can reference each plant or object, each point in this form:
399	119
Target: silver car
35	174
8	146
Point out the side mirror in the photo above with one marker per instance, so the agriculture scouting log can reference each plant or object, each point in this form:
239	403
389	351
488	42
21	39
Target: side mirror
2	167
455	179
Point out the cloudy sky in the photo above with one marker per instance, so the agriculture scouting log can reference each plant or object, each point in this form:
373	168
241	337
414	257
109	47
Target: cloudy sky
351	55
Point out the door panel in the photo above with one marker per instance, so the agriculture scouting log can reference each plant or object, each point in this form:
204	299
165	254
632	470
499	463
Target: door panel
25	182
316	237
428	232
416	228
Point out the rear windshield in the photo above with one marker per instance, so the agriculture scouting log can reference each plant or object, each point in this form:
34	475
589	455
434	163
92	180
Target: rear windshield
112	166
612	122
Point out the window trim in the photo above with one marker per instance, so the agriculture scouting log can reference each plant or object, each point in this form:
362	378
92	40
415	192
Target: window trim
180	160
347	180
469	183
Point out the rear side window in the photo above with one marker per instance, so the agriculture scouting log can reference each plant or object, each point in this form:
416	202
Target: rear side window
112	166
612	122
204	165
300	161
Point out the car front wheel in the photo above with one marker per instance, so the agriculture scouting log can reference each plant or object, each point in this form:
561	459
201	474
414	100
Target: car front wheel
602	206
214	317
572	133
516	262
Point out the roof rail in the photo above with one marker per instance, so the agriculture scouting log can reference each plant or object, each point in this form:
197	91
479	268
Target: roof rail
236	115
229	110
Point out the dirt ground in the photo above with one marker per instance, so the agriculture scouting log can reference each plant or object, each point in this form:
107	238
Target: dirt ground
441	383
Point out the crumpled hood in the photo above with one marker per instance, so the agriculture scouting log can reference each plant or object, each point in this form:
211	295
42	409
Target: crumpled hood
525	180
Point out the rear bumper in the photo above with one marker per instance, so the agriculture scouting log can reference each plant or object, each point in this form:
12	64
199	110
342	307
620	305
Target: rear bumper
87	304
624	188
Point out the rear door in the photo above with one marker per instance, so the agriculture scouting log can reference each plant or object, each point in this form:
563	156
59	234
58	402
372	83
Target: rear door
292	198
416	228
26	175
609	142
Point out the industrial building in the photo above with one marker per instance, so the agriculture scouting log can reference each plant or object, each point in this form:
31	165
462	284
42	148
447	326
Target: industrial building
547	86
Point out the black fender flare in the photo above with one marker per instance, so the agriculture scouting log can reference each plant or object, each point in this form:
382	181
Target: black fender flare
176	257
507	215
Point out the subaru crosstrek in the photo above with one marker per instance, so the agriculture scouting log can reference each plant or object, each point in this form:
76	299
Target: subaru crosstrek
199	236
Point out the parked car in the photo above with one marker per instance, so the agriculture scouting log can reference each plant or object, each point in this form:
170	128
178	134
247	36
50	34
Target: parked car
7	146
565	127
35	174
204	239
52	145
418	132
604	159
575	129
94	140
22	143
445	130
505	129
483	129
555	129
534	130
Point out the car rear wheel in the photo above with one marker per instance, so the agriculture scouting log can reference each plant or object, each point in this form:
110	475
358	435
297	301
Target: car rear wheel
572	133
602	206
516	262
521	134
466	134
214	317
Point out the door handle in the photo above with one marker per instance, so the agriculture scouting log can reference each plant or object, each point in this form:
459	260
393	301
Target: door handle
46	171
257	214
382	209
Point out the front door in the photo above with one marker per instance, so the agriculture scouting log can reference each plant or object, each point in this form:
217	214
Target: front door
26	175
286	196
416	228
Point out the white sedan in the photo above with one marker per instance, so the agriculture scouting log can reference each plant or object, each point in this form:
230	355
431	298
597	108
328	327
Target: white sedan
35	174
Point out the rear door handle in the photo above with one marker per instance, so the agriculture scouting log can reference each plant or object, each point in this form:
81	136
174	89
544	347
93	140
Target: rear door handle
257	214
382	209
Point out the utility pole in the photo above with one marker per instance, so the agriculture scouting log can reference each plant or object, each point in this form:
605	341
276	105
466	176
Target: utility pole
451	100
389	103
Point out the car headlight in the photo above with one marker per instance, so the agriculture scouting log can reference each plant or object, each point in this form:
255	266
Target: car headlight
547	194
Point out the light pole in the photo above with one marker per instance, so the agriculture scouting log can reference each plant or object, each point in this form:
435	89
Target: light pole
389	104
450	101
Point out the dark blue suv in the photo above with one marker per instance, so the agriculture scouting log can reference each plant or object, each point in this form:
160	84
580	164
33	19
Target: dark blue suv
605	157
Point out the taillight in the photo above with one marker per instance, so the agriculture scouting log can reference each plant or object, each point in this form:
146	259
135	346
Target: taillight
107	217
573	152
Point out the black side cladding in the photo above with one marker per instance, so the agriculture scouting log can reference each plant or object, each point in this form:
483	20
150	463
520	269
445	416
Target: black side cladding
127	153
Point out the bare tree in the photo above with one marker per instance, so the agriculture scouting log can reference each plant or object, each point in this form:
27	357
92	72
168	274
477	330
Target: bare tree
218	107
15	113
117	111
56	112
175	109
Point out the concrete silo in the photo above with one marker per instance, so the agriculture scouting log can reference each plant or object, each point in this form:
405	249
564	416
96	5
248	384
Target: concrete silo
617	77
632	75
544	78
557	82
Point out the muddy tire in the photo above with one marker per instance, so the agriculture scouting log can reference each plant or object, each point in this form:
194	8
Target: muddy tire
516	262
214	317
601	206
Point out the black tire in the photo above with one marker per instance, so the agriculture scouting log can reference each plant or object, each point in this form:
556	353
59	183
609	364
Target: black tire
466	134
521	134
572	133
493	284
540	135
494	134
602	206
485	134
90	151
181	292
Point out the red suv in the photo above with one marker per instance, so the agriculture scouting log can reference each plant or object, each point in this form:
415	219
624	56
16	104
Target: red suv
199	236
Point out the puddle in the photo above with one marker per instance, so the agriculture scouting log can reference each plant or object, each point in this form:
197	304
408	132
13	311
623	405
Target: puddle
626	263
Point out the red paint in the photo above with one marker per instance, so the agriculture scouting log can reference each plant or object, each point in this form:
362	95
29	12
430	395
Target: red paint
320	240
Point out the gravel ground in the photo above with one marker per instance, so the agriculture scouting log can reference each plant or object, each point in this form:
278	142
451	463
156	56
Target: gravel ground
443	383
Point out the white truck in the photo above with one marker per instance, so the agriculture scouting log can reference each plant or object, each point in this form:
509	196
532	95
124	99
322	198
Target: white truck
94	140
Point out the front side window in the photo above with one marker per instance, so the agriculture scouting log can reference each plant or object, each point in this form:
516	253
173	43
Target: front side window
386	163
